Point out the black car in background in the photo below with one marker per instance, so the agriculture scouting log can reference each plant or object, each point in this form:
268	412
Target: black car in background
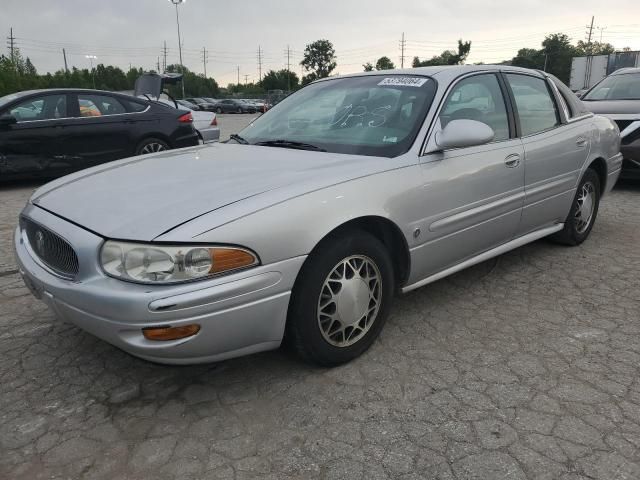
54	132
231	105
202	104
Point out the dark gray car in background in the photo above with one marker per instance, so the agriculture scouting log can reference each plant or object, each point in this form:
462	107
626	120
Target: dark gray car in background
618	97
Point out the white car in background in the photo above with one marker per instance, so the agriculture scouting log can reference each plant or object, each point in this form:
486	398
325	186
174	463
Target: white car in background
205	123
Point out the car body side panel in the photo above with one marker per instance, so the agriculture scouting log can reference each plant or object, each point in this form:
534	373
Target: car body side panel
553	162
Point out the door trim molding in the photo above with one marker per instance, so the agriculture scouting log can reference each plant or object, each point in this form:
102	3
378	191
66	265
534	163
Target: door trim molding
494	252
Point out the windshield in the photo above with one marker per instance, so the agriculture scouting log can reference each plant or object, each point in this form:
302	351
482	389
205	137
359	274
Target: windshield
616	87
374	115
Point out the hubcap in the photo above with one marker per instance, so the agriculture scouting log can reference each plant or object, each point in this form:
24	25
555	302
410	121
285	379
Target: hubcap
153	147
349	300
586	204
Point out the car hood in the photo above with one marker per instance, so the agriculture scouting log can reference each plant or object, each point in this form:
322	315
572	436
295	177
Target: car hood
144	197
613	107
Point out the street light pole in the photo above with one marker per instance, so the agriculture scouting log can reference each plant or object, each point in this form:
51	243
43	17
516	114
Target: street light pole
93	75
176	3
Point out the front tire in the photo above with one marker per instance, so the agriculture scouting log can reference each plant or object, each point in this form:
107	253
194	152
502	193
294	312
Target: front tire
583	213
341	299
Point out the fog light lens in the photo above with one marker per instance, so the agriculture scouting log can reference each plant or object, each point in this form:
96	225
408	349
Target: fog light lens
163	334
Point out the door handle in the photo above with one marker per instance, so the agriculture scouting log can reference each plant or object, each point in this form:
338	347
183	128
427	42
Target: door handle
581	141
512	160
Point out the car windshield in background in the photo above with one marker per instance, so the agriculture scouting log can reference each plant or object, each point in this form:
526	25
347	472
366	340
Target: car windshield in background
616	87
374	115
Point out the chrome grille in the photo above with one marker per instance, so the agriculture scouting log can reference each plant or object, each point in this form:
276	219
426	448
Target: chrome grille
51	249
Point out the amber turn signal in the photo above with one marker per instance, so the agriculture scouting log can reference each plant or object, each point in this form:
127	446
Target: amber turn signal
225	259
163	334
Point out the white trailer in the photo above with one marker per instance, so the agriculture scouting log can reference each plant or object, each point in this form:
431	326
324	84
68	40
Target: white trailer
587	71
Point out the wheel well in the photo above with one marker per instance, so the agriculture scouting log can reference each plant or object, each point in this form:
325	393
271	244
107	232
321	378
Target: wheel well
389	234
158	136
600	167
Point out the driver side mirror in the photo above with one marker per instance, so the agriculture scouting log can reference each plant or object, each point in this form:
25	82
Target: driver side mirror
6	120
464	133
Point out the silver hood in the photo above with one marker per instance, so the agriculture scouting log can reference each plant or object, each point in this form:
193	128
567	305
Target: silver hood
613	107
143	197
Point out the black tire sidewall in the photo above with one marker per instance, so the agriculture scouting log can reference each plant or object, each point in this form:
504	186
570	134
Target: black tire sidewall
589	176
302	324
147	141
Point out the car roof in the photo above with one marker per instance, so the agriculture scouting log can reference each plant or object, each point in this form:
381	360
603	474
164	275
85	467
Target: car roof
442	72
626	71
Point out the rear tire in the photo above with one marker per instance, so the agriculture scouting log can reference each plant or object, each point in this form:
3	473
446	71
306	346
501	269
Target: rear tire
151	145
583	213
341	299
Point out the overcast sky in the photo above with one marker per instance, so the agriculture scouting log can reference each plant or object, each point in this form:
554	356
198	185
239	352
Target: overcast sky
120	32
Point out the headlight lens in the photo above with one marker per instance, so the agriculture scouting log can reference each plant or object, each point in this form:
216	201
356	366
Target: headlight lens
171	263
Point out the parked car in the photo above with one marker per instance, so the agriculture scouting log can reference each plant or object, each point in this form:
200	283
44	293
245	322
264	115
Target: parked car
188	105
305	230
205	123
54	132
212	101
202	104
618	97
232	105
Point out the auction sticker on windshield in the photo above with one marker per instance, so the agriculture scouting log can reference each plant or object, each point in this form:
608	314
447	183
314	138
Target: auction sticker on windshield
404	81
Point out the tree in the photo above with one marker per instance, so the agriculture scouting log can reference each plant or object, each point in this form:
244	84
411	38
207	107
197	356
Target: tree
319	59
384	63
448	57
559	52
281	80
595	48
367	67
529	58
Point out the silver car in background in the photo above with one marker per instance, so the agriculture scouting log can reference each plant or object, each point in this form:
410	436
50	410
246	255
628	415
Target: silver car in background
305	225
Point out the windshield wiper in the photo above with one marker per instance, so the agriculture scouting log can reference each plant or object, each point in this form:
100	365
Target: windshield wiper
238	138
290	144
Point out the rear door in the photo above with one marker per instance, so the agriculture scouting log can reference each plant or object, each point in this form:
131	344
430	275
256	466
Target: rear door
473	196
103	129
554	151
33	144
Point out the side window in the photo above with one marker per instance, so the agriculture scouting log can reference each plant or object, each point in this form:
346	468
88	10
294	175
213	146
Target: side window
536	109
480	98
99	105
135	106
48	107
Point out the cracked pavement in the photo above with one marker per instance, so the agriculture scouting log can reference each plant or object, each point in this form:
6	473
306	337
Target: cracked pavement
523	367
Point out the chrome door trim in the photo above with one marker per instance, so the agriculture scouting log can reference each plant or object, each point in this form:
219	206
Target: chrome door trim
494	252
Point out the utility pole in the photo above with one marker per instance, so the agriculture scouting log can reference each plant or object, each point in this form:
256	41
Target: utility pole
11	43
245	79
289	69
602	29
205	57
403	43
158	65
260	63
238	74
590	33
164	60
64	55
546	57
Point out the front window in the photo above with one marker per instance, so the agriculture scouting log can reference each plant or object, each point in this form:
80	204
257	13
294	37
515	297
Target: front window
370	115
49	107
616	87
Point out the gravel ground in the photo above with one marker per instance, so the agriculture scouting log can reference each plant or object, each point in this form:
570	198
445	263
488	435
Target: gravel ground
522	367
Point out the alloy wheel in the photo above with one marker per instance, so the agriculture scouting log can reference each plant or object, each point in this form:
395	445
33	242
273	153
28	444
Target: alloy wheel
153	147
349	300
586	204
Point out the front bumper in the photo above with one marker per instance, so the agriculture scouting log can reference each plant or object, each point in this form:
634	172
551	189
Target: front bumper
238	314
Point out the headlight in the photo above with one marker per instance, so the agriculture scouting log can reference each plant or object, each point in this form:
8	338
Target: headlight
171	263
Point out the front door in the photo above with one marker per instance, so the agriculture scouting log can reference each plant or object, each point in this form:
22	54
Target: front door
31	146
472	196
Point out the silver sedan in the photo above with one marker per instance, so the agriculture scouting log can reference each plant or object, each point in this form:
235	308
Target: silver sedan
304	226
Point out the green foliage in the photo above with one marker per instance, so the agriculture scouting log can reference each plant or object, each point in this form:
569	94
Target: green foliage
319	59
20	74
281	80
368	67
448	57
384	63
595	48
